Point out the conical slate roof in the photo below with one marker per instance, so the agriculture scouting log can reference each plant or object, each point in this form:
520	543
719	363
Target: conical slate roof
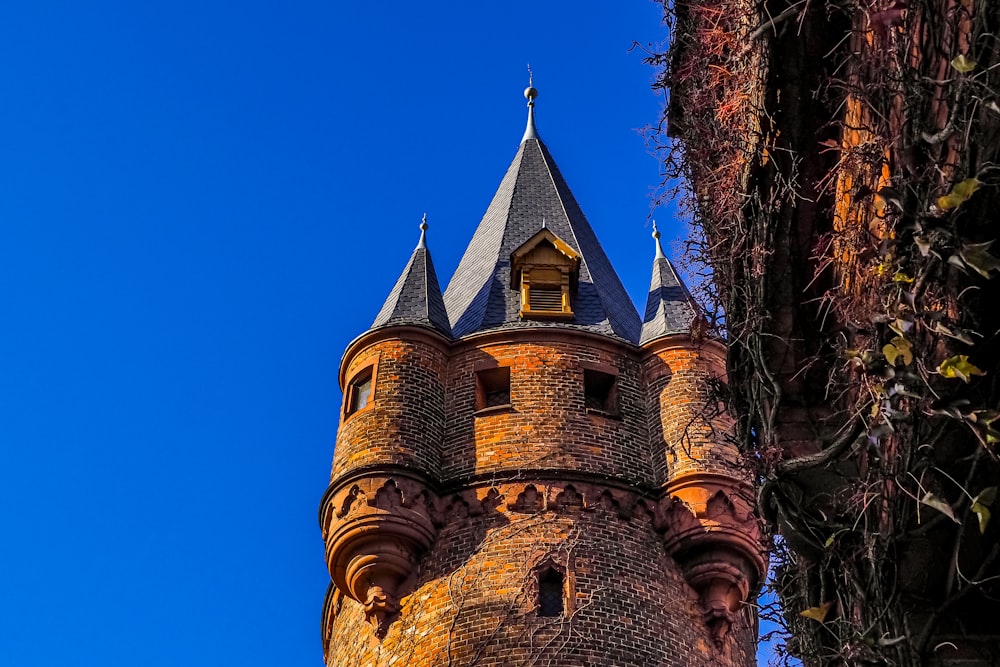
669	307
533	193
416	297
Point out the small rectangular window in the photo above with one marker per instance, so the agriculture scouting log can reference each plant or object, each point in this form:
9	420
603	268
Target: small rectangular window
359	392
493	388
600	391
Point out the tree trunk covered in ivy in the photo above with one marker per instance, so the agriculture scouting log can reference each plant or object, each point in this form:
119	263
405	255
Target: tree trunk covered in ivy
841	166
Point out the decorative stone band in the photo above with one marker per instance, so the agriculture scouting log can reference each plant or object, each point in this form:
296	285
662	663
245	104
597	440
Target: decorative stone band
714	535
378	525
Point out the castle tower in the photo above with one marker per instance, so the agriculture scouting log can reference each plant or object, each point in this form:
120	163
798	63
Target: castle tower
528	473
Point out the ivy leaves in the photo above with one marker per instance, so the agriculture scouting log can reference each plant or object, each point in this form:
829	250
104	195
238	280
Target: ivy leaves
959	194
959	367
963	64
980	505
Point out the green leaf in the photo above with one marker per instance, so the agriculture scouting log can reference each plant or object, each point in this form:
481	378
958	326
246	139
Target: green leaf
940	505
987	496
983	514
899	348
818	613
959	367
959	194
977	256
963	64
967	187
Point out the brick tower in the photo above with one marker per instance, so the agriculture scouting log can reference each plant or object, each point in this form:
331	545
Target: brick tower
526	472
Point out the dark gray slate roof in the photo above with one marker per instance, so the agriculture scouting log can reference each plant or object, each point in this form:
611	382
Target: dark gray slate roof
416	297
479	296
670	307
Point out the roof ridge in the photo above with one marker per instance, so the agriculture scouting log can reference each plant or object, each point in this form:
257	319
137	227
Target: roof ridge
555	186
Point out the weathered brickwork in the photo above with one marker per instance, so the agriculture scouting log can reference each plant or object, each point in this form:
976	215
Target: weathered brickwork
475	602
547	426
403	423
440	516
689	429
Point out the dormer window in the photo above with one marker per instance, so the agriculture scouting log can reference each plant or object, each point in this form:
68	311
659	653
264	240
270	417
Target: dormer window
545	271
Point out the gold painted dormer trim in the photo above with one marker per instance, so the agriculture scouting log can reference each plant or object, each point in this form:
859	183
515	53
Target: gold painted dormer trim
545	270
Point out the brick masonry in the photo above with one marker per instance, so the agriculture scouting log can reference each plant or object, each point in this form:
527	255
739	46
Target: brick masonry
502	492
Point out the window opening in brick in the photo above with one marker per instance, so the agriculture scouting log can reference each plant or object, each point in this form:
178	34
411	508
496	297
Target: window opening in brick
600	391
550	592
492	388
360	391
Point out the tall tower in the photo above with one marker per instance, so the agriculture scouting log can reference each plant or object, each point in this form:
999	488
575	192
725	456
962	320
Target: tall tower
526	472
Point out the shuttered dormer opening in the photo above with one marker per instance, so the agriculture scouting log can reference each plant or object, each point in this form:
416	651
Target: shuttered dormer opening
546	298
545	271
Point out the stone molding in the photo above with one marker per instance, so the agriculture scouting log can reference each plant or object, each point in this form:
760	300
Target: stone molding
378	525
713	533
376	529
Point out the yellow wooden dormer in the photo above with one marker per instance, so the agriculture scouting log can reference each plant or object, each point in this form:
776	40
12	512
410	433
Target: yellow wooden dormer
545	270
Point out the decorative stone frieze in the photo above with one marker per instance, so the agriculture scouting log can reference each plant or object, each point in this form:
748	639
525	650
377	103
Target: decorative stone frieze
713	533
376	528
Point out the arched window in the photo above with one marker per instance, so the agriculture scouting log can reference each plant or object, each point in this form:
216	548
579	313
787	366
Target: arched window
551	599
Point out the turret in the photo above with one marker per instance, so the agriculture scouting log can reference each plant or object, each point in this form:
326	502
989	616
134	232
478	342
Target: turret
712	531
376	514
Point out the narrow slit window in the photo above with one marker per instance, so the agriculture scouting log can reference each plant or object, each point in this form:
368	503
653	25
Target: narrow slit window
600	391
359	392
551	584
493	388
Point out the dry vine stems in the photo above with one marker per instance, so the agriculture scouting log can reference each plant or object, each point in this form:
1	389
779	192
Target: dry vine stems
840	163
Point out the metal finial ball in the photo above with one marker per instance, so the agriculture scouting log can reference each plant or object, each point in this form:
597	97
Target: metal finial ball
531	92
656	232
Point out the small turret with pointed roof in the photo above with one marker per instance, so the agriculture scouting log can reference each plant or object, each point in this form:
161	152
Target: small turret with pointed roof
481	296
669	307
416	298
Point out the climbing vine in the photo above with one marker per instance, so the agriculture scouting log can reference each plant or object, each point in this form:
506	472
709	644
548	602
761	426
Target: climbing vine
840	161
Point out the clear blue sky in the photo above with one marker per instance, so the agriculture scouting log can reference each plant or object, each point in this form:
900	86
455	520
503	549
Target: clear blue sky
202	203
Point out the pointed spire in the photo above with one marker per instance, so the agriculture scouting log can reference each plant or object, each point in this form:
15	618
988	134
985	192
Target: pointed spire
669	308
416	298
480	296
530	93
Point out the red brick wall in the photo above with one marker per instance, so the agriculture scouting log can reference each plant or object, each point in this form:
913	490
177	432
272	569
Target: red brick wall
403	423
475	602
471	599
688	430
548	426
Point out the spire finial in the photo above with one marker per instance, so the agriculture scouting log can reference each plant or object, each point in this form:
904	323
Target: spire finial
530	93
423	233
656	237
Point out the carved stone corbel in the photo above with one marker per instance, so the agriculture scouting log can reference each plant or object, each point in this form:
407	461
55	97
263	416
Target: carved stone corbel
712	533
375	539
